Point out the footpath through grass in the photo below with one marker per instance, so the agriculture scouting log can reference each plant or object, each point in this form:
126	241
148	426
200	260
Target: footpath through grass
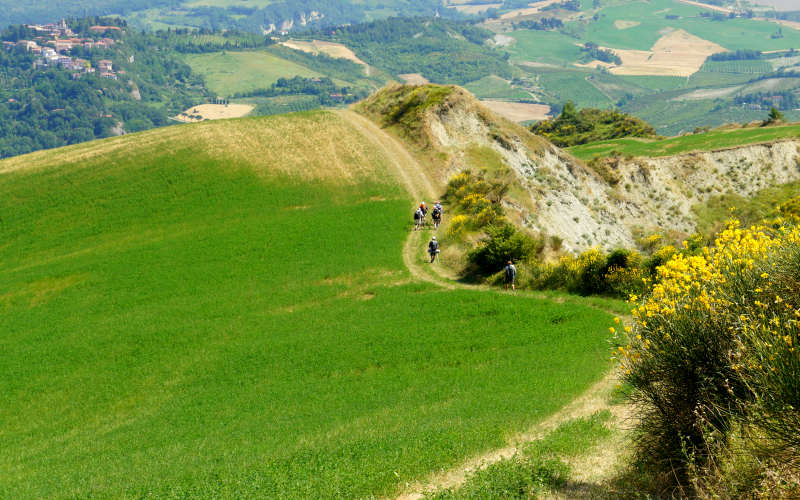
716	139
178	319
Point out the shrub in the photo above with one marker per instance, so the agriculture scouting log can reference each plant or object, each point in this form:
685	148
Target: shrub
715	348
476	198
591	271
502	243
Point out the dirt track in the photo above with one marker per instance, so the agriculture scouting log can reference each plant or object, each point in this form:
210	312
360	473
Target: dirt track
414	177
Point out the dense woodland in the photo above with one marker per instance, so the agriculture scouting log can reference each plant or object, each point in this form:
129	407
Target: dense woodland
444	51
40	11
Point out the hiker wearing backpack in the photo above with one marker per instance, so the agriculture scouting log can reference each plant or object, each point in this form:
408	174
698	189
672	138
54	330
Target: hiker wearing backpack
433	248
424	208
436	215
511	275
417	218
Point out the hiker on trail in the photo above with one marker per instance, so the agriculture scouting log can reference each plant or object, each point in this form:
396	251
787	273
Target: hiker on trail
438	205
433	248
436	215
417	218
424	208
511	275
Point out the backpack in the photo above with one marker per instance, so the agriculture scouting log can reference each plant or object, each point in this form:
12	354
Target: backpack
436	213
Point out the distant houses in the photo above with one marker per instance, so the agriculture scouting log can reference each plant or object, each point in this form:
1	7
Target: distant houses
55	41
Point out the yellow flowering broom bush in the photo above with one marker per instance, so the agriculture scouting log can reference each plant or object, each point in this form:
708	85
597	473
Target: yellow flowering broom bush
714	347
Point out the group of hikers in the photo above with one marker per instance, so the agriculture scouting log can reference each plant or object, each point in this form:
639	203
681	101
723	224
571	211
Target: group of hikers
510	271
419	222
422	212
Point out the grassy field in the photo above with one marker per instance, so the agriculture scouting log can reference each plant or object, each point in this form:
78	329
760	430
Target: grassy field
748	67
716	139
548	47
732	34
221	310
494	87
229	72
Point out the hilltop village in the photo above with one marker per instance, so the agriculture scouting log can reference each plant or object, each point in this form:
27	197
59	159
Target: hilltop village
54	41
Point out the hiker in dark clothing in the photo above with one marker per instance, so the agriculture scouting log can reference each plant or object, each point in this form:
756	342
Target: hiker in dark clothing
511	275
424	208
433	248
436	215
417	219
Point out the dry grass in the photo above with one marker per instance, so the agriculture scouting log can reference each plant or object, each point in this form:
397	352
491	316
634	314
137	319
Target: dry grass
518	111
335	50
623	25
320	145
707	6
214	112
414	79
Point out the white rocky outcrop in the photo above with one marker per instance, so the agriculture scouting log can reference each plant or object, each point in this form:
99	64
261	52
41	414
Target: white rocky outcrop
562	196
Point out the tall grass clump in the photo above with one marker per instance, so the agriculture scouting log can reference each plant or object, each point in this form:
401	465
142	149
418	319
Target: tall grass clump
713	362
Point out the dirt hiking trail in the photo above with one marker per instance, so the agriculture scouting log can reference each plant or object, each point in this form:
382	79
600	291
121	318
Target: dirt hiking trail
590	468
413	176
598	462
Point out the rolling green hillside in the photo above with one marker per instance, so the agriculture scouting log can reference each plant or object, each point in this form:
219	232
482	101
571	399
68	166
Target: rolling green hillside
715	139
222	310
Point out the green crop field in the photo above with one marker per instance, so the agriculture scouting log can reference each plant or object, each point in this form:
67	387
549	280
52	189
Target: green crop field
494	87
547	47
651	18
221	310
574	85
716	139
748	67
229	72
651	15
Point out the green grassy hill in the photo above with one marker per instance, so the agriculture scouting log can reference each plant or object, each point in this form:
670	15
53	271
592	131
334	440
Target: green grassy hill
715	139
222	310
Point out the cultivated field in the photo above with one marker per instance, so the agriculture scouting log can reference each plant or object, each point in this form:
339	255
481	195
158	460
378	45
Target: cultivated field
475	8
214	112
675	54
335	50
229	72
222	309
518	111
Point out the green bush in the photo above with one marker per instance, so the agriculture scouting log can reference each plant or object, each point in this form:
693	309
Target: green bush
501	244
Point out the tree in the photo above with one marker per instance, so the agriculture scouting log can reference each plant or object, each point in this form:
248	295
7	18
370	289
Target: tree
569	114
774	116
